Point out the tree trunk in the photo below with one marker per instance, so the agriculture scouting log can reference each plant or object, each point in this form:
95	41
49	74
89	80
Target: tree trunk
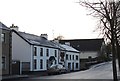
117	52
113	53
114	61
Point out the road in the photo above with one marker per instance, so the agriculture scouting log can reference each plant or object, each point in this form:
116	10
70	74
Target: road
100	71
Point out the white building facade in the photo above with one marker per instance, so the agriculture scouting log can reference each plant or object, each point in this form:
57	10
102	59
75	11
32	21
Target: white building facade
33	54
71	59
41	57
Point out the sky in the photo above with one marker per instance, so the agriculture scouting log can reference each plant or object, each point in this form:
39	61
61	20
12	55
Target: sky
52	17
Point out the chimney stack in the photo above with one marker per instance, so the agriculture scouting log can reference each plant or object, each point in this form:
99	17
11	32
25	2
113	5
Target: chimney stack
14	27
44	36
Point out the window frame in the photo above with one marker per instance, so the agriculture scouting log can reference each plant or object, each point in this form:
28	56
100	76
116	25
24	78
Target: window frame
4	63
35	51
73	57
3	37
77	57
41	63
77	66
66	56
35	63
41	51
55	53
70	57
47	52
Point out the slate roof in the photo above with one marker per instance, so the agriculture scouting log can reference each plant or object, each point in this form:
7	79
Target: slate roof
85	44
2	26
37	40
69	48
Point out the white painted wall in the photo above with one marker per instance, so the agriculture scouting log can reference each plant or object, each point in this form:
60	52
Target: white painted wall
44	57
85	55
21	50
72	61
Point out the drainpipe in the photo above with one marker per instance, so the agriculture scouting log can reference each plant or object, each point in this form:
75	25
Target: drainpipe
10	52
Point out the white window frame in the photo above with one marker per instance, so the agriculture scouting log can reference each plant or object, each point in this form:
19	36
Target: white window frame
4	63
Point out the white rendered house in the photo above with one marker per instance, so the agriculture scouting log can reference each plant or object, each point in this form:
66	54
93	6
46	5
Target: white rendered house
71	59
32	51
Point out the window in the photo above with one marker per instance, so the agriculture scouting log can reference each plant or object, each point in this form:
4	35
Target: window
47	62
73	66
35	64
3	62
35	51
76	65
41	64
73	57
55	53
41	51
3	37
76	57
69	66
47	52
70	57
66	56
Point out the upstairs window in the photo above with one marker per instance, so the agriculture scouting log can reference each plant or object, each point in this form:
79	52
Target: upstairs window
41	51
70	57
35	51
66	56
47	52
76	57
73	57
55	53
3	37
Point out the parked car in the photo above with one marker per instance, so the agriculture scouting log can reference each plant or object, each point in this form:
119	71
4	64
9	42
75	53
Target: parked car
56	69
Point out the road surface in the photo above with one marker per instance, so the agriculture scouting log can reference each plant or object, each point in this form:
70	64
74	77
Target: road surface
99	71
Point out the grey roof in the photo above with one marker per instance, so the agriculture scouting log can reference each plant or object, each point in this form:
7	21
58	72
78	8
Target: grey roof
38	40
69	48
85	44
2	26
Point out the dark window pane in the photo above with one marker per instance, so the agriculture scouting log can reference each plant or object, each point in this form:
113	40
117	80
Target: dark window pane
35	51
41	51
47	52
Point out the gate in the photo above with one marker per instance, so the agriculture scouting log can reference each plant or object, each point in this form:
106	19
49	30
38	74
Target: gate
15	67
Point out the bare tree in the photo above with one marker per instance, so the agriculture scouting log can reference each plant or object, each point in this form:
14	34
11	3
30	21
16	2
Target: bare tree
60	37
108	13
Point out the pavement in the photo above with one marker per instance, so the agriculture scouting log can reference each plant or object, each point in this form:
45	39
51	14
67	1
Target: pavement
14	76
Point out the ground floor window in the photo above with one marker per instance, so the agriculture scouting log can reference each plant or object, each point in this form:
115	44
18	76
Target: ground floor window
3	62
73	66
76	65
69	66
47	62
41	64
35	64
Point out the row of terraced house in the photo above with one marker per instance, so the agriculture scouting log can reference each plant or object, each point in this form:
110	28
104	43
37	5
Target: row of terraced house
24	52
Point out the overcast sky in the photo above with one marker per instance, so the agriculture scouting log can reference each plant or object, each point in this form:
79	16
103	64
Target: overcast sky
54	17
